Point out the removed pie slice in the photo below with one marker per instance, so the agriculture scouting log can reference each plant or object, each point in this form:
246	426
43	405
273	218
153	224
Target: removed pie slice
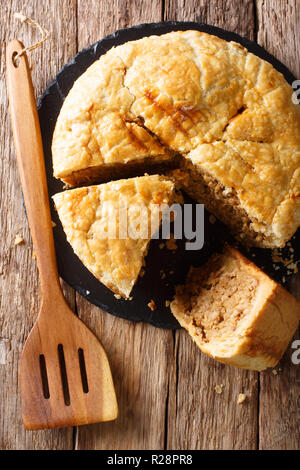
109	226
235	313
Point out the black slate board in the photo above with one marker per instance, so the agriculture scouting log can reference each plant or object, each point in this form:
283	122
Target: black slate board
174	264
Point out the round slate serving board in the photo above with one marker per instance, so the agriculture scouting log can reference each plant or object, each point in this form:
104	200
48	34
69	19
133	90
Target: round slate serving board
175	264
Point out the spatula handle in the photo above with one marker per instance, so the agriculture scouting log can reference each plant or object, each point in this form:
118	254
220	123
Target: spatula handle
30	158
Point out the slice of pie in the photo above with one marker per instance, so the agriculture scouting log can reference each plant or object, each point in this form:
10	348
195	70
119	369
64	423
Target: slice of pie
235	313
109	226
228	114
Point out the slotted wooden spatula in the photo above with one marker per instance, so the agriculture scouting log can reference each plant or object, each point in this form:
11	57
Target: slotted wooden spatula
64	375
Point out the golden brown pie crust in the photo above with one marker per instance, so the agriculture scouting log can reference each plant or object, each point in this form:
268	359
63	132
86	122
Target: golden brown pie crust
222	108
86	214
235	313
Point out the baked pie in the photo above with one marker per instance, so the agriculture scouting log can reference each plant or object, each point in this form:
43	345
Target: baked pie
219	123
98	219
217	112
235	313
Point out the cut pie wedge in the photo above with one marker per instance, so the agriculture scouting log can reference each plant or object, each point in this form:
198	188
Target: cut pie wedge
235	313
109	226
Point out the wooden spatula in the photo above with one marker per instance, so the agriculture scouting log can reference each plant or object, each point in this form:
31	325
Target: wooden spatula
64	376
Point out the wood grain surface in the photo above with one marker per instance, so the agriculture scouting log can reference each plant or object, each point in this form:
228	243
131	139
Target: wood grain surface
165	386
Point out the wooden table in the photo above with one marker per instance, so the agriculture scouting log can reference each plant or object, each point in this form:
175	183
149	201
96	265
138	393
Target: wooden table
165	386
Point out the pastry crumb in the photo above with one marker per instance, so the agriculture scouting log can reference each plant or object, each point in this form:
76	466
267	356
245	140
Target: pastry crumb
219	388
274	372
117	296
152	305
161	246
167	303
88	292
293	266
19	240
289	262
53	223
130	298
34	255
241	398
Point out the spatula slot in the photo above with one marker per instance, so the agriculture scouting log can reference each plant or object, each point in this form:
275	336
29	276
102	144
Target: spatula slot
44	377
84	380
63	374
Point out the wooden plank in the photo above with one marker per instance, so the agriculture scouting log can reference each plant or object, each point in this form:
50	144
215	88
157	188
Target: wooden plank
278	32
96	19
152	373
140	355
140	358
233	15
201	418
19	285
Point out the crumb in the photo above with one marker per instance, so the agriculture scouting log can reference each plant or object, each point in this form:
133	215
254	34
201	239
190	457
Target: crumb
289	262
212	219
162	275
130	298
19	240
117	296
88	292
34	255
241	398
219	388
167	303
293	266
161	246
53	223
152	305
274	372
171	243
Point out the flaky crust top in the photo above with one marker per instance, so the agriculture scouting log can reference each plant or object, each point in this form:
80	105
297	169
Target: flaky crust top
224	108
88	214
